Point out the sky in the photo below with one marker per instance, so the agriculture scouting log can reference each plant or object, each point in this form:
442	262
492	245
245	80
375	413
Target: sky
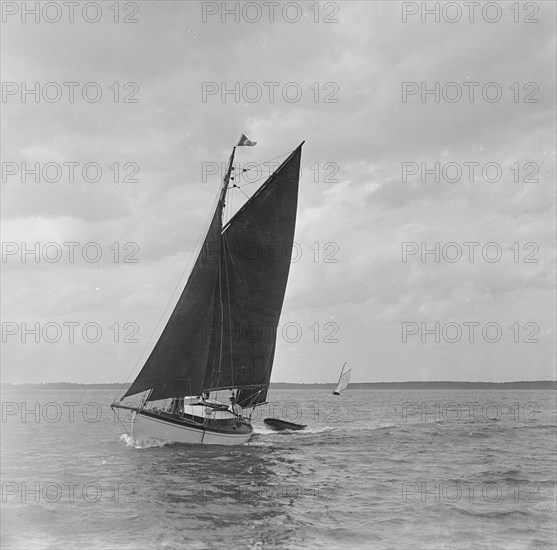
130	166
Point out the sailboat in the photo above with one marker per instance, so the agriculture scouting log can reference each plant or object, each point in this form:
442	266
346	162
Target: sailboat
221	334
343	380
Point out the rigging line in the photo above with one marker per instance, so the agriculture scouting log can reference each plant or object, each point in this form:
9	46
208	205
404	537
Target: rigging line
240	188
264	171
260	166
252	182
270	169
279	156
204	233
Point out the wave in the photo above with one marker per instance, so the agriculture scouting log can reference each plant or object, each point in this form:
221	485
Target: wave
535	426
143	444
515	513
265	431
315	430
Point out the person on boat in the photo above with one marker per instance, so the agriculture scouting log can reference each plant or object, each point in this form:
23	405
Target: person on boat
234	407
177	405
203	398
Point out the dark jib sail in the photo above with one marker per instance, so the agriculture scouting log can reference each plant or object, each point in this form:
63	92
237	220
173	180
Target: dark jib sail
222	332
172	369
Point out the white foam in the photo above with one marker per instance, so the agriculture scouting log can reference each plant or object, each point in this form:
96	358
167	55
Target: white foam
143	444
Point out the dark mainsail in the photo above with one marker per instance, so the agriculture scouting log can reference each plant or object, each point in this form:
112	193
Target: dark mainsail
256	252
222	332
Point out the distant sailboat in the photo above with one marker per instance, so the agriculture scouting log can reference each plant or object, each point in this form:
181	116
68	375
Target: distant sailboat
343	381
208	344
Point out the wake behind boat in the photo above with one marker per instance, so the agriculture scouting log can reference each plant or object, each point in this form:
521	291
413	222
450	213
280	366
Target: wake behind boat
208	343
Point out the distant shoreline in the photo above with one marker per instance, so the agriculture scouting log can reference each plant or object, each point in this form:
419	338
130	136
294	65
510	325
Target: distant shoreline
416	385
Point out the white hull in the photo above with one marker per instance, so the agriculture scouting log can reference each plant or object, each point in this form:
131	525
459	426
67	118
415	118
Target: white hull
146	428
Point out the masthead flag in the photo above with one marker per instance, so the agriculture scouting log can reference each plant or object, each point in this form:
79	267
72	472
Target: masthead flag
244	141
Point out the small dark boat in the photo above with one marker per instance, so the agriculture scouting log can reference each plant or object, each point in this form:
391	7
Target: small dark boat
279	425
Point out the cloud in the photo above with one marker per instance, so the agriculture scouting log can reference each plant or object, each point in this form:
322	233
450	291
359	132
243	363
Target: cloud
354	206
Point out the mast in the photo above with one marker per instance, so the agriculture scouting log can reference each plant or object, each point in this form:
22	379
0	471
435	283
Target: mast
218	289
226	179
340	377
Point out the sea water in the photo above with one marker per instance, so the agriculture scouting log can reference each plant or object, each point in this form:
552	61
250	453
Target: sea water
373	469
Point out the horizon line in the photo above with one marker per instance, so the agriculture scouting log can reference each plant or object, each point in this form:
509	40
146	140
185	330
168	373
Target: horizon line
312	383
